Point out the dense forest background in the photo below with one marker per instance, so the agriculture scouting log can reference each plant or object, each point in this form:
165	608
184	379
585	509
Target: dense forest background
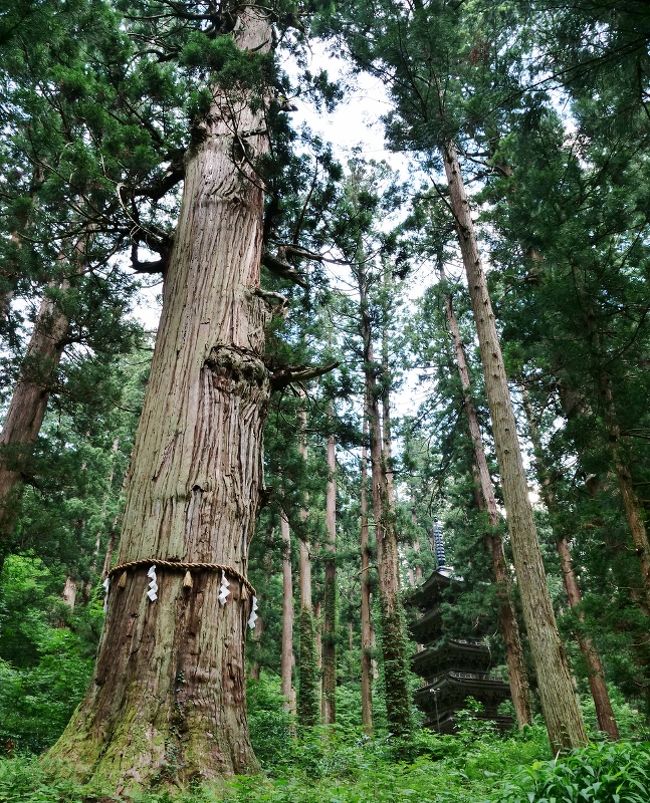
503	272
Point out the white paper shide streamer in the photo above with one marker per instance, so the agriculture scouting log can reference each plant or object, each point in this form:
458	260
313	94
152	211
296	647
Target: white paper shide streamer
224	591
106	584
253	617
152	592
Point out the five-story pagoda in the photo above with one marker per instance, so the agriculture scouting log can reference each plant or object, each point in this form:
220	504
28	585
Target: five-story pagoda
452	669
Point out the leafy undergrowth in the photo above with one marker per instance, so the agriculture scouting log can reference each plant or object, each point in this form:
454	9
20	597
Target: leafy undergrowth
612	773
338	766
341	765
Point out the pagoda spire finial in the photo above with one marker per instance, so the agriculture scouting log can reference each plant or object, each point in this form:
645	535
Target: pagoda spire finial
438	540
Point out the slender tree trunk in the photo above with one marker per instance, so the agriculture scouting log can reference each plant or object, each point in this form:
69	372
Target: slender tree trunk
286	655
417	569
517	672
559	704
69	593
10	271
167	700
319	650
256	668
307	707
307	702
393	642
631	504
414	572
386	382
596	673
28	404
329	592
366	616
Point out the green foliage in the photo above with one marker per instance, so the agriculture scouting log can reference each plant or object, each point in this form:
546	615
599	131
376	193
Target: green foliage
602	773
271	727
44	666
339	763
330	764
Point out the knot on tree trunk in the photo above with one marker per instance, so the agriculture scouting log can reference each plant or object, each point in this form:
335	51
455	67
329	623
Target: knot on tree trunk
238	371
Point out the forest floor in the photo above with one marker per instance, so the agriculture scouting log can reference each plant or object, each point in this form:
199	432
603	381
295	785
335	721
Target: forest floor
338	766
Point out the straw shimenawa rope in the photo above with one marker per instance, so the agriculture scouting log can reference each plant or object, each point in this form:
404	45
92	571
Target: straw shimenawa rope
182	565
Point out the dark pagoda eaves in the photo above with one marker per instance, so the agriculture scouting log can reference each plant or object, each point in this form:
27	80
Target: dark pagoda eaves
453	687
431	591
452	654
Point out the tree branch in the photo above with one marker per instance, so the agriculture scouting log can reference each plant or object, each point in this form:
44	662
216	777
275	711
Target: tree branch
289	374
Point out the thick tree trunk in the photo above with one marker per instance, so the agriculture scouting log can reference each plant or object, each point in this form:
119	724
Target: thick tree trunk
367	641
167	700
286	654
28	404
329	592
517	672
596	673
110	549
559	704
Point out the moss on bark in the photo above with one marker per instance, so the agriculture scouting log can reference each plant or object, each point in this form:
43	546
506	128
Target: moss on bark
308	707
396	675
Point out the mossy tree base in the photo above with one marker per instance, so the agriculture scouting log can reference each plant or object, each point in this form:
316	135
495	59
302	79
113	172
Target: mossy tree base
177	724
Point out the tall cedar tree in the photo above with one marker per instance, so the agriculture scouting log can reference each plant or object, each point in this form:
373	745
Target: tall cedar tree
411	48
168	689
517	672
353	233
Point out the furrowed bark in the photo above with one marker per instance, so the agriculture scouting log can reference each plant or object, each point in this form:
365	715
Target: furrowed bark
559	704
167	700
69	593
329	592
596	673
286	654
517	672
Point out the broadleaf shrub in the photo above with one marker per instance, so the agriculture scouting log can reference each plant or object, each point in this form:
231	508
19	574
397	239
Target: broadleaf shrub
616	772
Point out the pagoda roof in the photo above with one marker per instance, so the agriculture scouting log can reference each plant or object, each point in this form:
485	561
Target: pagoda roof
453	653
428	627
431	590
450	689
